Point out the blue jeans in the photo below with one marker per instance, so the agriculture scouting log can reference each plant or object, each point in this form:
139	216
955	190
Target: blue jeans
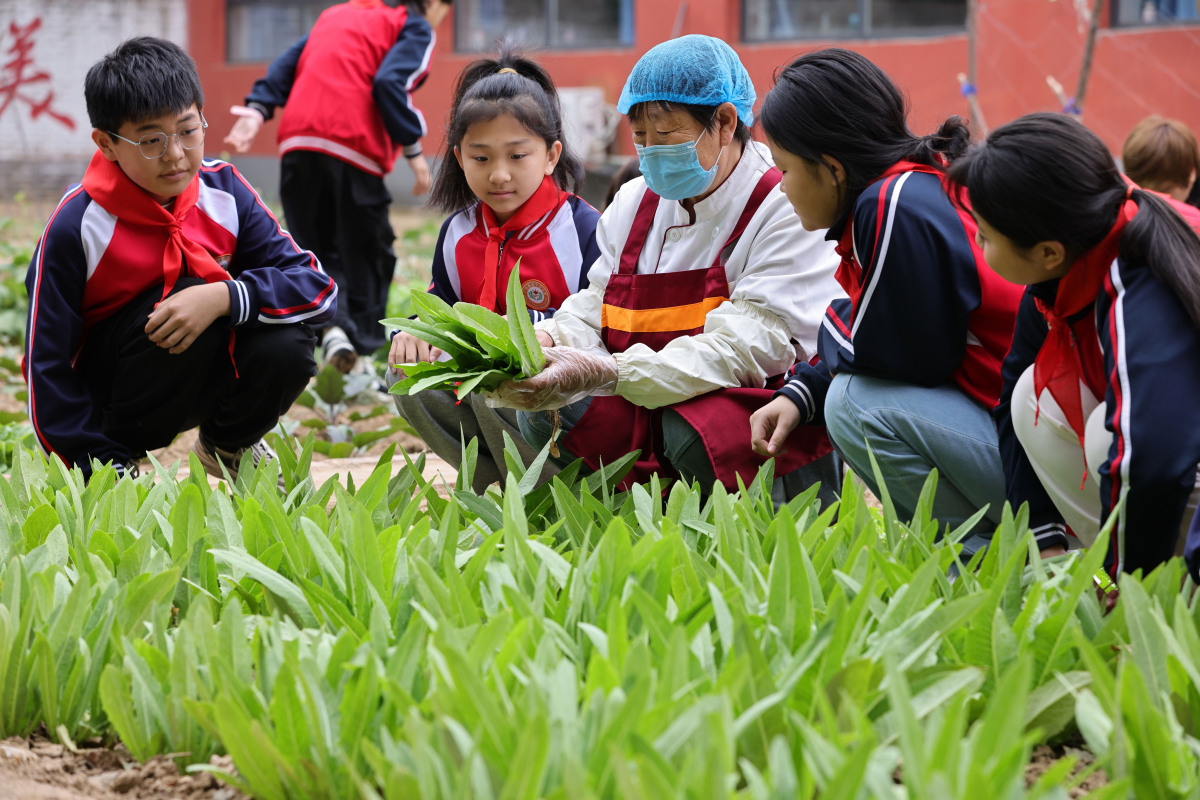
913	430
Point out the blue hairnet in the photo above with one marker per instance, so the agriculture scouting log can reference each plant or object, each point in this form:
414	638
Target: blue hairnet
694	69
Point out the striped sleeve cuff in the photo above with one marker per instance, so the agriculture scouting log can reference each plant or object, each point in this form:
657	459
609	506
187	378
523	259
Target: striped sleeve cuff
412	150
1051	534
240	309
260	108
798	393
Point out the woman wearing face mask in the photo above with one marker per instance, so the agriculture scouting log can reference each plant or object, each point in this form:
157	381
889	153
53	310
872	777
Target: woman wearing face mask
706	290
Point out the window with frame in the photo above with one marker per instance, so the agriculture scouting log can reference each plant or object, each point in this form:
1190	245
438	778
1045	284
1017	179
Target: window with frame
1154	12
773	20
260	30
561	24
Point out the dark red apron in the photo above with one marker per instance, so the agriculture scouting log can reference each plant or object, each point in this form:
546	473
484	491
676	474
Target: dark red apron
634	313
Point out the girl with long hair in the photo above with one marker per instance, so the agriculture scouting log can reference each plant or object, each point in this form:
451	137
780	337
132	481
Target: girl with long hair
910	362
1098	407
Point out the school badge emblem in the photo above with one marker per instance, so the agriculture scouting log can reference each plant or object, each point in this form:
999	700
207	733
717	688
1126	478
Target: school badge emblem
537	296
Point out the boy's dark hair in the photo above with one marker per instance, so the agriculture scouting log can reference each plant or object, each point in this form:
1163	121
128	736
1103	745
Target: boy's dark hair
1045	177
482	94
838	103
144	78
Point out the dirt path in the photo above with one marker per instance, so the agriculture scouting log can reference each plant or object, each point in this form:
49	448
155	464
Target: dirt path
360	467
38	769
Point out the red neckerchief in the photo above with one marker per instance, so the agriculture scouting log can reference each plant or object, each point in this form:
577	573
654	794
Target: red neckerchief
546	199
847	275
107	184
1062	363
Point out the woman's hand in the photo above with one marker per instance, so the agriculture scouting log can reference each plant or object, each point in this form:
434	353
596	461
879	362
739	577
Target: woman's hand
771	425
545	339
569	376
408	349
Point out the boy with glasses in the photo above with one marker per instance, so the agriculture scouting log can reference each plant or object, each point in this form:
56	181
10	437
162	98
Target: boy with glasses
163	295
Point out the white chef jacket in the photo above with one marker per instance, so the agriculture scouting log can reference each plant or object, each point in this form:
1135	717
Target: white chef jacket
781	279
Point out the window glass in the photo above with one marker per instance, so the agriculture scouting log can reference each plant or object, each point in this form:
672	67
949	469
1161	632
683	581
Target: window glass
543	23
1154	12
766	20
260	30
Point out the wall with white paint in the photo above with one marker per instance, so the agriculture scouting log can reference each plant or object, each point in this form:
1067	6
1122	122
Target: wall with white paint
46	49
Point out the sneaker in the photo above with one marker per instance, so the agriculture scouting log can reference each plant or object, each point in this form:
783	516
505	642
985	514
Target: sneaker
337	350
364	383
212	458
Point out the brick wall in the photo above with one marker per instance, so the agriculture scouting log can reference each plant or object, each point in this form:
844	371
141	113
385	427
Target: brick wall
46	48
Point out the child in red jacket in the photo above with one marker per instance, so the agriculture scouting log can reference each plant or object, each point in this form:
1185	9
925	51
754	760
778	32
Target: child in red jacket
347	87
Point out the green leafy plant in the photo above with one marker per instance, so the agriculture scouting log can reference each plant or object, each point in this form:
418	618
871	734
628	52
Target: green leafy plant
330	397
484	349
398	639
15	256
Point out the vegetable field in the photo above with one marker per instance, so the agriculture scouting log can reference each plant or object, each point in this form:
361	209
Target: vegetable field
384	640
392	638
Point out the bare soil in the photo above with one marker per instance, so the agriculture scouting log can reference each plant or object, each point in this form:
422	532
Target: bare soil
178	450
1045	757
38	769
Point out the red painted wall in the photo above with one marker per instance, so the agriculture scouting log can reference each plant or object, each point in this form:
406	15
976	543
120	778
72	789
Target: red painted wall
1135	71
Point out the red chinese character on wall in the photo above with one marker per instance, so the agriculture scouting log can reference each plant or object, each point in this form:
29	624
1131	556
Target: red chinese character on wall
20	73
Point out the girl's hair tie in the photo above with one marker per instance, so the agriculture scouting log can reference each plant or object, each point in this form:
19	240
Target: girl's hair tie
507	69
1129	192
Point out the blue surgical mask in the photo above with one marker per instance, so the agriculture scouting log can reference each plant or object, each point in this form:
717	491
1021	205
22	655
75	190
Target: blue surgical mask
673	171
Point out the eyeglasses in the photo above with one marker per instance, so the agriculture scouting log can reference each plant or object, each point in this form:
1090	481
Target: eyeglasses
154	145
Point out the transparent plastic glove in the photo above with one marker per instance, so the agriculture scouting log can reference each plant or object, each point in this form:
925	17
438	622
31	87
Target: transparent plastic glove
569	376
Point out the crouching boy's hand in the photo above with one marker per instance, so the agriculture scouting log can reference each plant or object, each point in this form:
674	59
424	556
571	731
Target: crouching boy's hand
176	321
772	424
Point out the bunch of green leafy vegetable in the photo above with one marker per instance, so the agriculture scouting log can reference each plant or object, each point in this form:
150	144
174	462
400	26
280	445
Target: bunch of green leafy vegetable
484	348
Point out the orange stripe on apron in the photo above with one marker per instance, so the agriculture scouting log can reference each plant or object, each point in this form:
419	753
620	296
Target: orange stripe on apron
634	313
659	320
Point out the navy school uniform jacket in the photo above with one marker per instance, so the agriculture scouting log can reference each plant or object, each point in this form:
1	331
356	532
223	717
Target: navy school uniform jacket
555	255
1151	354
275	282
923	307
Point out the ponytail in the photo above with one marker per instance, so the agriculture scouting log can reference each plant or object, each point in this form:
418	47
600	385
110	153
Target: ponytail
838	103
1046	177
948	144
1161	239
488	87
